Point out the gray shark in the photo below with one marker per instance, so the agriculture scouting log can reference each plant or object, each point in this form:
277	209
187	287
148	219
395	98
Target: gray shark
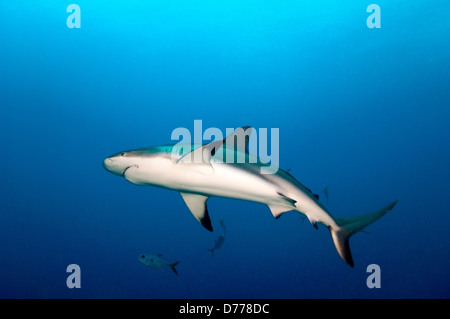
219	241
172	167
325	192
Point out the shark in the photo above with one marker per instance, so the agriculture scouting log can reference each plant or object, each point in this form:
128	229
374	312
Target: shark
219	241
176	167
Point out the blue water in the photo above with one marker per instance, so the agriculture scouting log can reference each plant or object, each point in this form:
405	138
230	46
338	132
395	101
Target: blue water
364	111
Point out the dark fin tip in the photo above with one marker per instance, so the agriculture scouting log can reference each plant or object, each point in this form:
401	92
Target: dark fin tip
348	258
206	222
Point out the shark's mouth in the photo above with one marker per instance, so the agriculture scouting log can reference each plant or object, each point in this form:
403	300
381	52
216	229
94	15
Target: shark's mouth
124	171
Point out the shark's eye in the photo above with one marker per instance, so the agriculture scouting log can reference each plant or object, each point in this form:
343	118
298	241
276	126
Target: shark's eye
123	153
143	256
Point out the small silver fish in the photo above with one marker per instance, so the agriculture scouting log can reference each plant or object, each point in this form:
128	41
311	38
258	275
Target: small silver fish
156	261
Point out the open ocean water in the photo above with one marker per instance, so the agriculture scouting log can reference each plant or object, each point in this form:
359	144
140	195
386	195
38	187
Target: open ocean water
364	111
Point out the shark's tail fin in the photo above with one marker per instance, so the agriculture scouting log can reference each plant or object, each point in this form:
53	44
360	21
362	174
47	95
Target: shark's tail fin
172	266
351	225
212	251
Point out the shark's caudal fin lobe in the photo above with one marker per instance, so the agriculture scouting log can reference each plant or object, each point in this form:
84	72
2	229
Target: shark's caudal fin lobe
172	266
197	205
351	225
340	240
211	251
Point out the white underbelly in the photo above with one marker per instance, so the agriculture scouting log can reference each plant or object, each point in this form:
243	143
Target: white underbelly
227	181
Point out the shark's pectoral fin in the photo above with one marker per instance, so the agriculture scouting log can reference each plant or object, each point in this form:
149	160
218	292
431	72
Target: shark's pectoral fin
197	205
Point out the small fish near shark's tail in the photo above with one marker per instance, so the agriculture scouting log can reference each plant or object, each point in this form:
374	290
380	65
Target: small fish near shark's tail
351	225
172	266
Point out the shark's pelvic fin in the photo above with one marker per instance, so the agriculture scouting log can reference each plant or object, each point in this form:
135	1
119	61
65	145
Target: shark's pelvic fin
277	211
197	205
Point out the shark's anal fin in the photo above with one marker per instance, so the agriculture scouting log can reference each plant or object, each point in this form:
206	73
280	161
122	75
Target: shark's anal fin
197	205
313	222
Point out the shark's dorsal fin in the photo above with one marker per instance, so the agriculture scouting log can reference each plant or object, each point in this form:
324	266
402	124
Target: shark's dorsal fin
197	205
239	139
202	154
200	158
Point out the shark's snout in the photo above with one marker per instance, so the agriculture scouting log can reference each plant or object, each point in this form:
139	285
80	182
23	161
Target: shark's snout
107	163
113	166
118	164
